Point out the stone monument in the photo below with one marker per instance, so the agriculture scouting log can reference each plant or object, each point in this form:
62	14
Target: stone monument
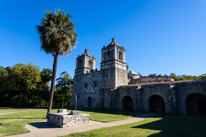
64	119
73	118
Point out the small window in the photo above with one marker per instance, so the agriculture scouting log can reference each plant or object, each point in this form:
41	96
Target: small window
120	55
108	54
85	85
106	76
90	64
95	84
79	63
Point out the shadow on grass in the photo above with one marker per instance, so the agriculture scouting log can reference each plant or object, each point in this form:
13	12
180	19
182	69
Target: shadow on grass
176	126
42	125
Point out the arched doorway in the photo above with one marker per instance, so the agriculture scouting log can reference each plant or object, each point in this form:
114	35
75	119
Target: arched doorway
89	102
157	104
196	104
127	103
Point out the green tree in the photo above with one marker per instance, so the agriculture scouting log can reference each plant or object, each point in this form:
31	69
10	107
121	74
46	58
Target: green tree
3	84
23	79
152	75
64	85
174	76
46	76
202	77
58	36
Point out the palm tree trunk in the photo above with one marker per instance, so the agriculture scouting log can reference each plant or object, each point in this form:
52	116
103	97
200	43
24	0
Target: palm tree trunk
52	83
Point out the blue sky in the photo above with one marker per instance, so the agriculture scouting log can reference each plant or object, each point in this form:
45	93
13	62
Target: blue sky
160	36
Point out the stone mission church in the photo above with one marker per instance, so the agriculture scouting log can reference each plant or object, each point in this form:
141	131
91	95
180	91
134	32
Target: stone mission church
116	87
88	81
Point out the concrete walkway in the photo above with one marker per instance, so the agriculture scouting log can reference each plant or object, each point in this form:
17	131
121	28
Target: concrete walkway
43	129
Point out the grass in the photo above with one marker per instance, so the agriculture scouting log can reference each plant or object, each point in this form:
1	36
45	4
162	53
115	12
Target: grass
11	124
107	115
8	109
157	126
160	125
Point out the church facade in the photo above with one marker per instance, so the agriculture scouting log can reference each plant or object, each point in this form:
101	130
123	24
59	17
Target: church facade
88	81
114	87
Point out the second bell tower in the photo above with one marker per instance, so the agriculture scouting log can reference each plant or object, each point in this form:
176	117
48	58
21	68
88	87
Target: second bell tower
113	63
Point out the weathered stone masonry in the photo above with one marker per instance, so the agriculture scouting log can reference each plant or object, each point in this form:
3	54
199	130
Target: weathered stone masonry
174	97
113	88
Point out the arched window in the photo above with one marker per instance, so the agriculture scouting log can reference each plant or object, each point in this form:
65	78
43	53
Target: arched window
80	63
108	55
90	64
120	55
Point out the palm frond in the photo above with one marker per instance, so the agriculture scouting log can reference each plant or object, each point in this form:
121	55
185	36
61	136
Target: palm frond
57	33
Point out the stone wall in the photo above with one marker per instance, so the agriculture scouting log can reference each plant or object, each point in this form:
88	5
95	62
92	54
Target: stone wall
88	85
183	90
173	95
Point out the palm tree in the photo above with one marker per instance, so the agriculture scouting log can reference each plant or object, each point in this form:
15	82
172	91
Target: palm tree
57	37
46	76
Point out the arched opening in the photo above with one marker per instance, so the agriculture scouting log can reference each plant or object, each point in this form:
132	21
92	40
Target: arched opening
89	102
127	103
157	104
120	55
90	64
196	104
80	63
108	55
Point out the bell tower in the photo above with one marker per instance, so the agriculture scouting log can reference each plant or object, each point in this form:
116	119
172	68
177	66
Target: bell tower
113	63
85	63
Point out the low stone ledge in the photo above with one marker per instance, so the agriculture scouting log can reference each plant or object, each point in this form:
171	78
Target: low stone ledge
67	119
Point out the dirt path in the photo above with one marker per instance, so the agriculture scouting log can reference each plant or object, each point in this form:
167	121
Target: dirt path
43	129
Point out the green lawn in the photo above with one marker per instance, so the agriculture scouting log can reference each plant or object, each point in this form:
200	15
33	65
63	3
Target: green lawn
107	115
11	124
8	109
156	126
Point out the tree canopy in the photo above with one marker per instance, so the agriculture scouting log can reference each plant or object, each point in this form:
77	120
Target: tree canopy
181	77
57	33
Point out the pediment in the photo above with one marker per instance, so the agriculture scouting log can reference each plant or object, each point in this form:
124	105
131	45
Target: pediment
90	89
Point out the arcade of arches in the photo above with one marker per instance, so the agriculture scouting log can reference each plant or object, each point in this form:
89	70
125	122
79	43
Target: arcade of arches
178	98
